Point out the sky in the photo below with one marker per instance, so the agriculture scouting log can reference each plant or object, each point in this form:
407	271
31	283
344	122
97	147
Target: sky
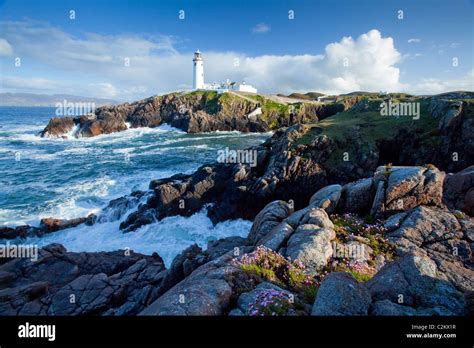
128	50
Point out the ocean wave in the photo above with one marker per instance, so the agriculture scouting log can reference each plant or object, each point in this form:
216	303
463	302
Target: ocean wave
167	237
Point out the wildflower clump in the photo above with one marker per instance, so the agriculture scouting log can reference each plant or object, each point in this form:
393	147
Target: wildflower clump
271	302
348	226
269	265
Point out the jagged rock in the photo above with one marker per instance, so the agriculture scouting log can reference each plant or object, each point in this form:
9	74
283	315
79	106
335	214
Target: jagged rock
17	232
65	283
414	281
459	190
267	219
341	294
58	127
48	225
327	198
311	245
117	208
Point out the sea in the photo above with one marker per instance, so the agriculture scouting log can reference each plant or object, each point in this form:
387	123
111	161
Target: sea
73	177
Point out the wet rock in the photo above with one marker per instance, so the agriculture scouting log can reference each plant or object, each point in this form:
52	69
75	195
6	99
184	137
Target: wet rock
49	225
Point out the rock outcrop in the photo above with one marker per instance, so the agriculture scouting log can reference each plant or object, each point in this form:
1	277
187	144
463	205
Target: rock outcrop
66	283
194	112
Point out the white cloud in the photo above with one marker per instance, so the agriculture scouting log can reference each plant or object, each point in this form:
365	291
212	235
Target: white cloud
261	28
38	84
94	65
435	86
5	48
414	40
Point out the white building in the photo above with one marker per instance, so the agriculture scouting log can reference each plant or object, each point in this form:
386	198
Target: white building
198	71
220	87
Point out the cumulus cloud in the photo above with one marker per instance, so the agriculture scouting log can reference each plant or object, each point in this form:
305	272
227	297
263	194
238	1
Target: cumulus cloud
5	48
414	40
261	28
129	67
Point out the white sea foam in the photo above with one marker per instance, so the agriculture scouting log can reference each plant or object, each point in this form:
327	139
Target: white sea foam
167	237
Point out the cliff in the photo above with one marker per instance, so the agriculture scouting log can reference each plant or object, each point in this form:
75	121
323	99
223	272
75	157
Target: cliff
194	112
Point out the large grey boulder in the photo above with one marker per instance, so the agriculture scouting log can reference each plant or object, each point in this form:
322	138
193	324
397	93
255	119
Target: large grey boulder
459	190
207	291
405	188
341	294
388	308
277	237
268	218
327	198
425	225
414	280
311	245
357	196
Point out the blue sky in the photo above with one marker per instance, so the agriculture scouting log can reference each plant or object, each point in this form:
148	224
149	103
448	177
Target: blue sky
86	55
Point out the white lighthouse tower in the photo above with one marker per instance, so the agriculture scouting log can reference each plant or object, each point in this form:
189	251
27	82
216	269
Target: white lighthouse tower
198	71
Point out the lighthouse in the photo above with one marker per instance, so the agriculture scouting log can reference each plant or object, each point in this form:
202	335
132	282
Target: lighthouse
198	71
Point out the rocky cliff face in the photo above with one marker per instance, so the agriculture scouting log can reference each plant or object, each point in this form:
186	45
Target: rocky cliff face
304	156
193	112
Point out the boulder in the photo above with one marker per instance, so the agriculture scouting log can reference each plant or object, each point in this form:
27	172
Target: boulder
277	237
341	294
268	219
407	187
327	198
425	225
459	190
207	291
219	247
414	281
48	225
311	245
357	196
